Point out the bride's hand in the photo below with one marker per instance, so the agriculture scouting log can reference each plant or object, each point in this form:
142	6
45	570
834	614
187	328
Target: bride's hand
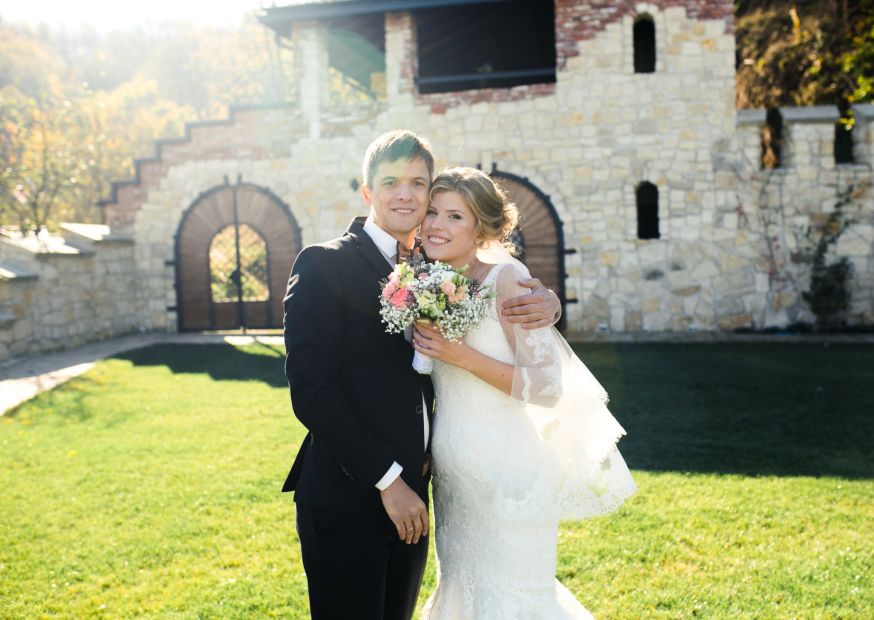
428	340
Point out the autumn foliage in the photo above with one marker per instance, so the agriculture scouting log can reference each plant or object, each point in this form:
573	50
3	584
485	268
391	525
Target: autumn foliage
76	107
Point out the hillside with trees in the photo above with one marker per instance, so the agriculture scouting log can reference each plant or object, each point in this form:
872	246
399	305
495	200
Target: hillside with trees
804	52
76	106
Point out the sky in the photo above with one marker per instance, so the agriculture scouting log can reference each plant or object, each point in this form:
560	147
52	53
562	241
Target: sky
120	14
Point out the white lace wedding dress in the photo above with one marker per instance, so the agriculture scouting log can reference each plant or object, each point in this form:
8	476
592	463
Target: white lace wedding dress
497	482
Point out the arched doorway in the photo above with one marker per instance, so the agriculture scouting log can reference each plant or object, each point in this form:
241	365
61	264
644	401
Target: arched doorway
539	236
234	250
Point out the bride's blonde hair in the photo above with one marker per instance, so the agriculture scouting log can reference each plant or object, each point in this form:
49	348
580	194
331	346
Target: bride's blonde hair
496	216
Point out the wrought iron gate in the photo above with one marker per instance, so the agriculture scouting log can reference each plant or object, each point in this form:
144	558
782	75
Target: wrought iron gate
234	250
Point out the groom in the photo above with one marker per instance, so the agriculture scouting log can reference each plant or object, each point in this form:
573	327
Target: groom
361	476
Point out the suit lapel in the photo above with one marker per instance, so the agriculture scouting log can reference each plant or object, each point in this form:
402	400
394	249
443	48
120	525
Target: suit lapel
365	245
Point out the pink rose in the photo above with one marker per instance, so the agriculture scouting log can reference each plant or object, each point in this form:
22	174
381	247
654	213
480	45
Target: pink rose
448	288
399	298
389	290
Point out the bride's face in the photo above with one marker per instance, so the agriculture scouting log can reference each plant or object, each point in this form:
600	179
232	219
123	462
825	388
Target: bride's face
449	230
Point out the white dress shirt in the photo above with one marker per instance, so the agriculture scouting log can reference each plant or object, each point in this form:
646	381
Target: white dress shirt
388	247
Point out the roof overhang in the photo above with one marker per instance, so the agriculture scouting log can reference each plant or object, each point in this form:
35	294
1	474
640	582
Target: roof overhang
280	18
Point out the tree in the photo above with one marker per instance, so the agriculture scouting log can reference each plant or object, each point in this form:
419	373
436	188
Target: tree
117	126
79	105
27	63
39	156
804	52
209	69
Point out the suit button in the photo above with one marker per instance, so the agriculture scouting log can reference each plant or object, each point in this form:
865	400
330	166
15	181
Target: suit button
419	410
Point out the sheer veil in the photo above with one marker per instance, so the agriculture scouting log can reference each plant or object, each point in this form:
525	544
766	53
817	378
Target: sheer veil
566	404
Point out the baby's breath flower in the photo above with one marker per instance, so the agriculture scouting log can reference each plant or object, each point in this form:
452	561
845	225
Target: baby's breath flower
437	292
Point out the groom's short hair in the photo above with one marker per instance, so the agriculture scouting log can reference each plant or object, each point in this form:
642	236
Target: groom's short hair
395	145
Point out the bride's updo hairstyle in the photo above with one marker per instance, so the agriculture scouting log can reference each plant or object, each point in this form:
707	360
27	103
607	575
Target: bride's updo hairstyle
496	216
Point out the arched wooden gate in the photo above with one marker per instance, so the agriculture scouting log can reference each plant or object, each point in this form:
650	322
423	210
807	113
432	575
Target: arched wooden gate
234	250
539	236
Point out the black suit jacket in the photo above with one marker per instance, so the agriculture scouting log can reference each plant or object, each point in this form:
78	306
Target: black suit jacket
351	383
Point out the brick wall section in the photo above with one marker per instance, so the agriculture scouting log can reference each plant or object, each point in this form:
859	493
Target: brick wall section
440	102
578	21
128	200
247	133
575	21
403	28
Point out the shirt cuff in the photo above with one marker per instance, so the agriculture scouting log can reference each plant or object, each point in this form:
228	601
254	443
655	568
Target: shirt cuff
390	476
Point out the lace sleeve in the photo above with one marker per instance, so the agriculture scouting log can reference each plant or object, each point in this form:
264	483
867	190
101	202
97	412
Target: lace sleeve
537	367
566	405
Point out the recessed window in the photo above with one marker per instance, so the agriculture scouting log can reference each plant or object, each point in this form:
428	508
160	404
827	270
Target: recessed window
644	45
772	140
647	211
485	46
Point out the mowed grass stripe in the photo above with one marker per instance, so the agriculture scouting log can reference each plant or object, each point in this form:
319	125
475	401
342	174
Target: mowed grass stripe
149	488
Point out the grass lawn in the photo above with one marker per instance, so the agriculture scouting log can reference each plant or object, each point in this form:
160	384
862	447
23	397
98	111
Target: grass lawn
149	488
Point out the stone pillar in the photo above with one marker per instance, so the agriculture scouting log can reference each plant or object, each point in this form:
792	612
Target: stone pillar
311	69
863	138
401	58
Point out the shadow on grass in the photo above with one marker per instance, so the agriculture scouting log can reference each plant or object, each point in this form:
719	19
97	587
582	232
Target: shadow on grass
746	408
222	362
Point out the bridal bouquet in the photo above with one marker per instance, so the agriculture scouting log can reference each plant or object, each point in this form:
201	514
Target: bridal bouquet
434	291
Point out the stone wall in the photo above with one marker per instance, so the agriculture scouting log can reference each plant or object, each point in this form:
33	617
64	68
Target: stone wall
591	138
776	208
587	141
58	292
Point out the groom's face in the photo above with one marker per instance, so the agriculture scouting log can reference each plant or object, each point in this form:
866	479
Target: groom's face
399	196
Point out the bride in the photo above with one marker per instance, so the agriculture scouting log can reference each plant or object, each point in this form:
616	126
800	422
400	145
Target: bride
522	436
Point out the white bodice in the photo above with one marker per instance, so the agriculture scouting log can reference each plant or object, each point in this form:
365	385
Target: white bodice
494	499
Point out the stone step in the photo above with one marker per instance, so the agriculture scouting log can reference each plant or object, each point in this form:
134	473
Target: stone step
15	270
87	234
20	247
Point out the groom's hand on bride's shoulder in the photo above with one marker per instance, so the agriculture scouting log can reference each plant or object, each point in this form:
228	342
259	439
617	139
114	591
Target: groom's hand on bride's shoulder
539	308
406	510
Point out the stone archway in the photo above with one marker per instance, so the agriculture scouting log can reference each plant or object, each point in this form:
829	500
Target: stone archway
539	235
234	249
